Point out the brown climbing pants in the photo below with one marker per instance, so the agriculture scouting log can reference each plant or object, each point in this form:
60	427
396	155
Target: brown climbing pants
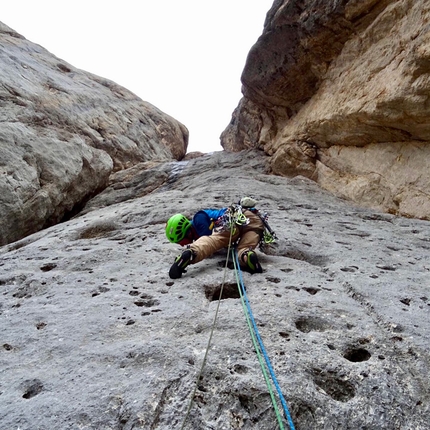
249	236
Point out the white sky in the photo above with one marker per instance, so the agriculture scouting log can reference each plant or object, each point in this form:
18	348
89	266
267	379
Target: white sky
183	56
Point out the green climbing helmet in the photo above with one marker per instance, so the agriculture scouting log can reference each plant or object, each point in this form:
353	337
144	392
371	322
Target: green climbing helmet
177	227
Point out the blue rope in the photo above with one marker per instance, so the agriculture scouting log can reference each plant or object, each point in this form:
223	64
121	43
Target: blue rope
258	350
263	349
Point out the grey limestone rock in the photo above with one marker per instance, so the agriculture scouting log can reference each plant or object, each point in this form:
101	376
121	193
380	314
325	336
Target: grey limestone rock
96	336
63	131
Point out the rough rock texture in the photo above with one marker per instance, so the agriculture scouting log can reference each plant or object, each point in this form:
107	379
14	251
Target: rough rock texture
63	131
338	91
96	336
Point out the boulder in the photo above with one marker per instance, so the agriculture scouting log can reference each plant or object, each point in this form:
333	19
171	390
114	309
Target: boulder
63	131
351	80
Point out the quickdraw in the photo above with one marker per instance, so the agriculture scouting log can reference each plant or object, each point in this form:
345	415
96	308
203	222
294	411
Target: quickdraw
269	235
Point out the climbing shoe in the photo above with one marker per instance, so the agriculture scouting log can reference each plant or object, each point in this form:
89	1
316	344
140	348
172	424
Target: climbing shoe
180	264
253	266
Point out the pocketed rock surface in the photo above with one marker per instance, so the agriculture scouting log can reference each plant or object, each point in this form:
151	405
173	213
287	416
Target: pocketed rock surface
96	336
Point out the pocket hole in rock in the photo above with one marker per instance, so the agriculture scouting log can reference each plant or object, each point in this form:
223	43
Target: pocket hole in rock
34	388
335	387
308	324
229	291
357	355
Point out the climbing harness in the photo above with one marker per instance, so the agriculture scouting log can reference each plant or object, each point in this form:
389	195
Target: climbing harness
235	216
259	348
232	217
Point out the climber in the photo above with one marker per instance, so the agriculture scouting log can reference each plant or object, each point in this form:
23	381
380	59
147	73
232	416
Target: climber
213	229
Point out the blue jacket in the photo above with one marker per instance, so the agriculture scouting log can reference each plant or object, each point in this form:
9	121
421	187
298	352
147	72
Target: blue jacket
203	220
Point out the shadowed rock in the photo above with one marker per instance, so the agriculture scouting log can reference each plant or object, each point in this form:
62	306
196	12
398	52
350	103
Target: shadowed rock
337	91
63	131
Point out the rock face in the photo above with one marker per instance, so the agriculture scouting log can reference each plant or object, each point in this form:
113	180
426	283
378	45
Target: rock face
337	91
96	336
63	131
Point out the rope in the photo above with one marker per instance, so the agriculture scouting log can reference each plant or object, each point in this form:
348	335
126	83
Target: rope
257	334
212	331
258	351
